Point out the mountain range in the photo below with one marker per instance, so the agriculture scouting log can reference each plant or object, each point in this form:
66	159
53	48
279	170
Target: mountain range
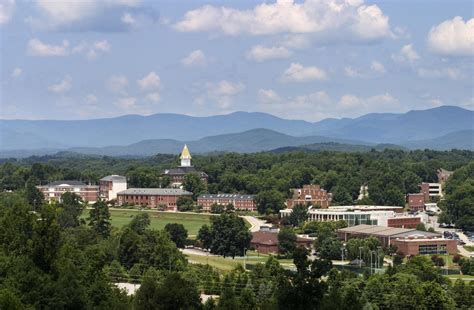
440	128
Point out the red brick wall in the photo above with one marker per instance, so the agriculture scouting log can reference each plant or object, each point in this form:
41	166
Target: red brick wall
404	222
412	247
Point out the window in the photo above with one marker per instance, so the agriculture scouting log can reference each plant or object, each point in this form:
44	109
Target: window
432	249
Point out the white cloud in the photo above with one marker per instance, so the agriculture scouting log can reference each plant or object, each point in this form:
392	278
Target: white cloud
406	55
150	82
449	73
80	15
38	48
153	97
362	22
261	53
268	96
7	7
380	102
127	103
195	59
91	99
91	51
351	72
223	92
63	86
128	19
16	73
297	73
454	37
117	83
377	67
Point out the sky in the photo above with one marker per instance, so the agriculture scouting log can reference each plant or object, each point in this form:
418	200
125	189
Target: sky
308	60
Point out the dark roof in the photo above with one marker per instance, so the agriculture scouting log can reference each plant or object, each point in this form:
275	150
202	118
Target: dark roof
264	237
382	231
183	171
67	182
154	191
114	177
227	196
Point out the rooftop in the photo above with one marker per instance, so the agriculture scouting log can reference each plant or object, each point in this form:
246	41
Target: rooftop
229	196
154	191
383	231
114	177
65	183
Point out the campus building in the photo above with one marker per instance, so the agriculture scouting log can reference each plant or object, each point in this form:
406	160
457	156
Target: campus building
177	174
311	194
152	197
240	202
416	202
388	216
407	241
443	175
431	190
110	185
265	241
54	190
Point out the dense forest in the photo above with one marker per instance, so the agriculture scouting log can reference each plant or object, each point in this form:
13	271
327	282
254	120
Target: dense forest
51	258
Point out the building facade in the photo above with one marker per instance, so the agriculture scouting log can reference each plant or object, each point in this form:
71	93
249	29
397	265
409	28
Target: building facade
431	190
266	241
152	197
177	175
54	190
387	235
311	194
423	246
110	185
240	202
416	202
356	215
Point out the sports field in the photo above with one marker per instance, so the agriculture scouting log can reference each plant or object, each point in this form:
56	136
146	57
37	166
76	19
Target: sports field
191	221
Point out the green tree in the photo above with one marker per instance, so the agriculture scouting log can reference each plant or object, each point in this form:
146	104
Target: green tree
140	222
184	204
99	218
269	201
70	210
286	241
298	215
229	235
34	196
178	234
194	184
205	236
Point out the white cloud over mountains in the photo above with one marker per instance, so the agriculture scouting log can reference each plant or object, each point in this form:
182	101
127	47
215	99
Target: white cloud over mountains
298	73
223	92
454	37
63	86
352	18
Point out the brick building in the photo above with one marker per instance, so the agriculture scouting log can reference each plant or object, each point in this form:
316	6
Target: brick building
266	242
404	221
311	194
110	185
240	202
177	174
416	202
415	246
431	190
54	190
152	197
408	241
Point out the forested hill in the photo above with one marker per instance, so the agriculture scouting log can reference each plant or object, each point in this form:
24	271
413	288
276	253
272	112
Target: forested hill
377	128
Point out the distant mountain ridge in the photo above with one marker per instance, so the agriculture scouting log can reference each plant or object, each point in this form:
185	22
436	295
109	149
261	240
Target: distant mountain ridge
239	131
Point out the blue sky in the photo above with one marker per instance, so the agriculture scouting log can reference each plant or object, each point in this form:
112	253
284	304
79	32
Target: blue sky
301	60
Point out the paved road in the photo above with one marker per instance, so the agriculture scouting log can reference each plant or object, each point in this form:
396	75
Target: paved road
254	222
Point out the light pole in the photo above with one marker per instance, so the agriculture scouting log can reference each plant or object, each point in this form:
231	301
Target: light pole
245	257
360	257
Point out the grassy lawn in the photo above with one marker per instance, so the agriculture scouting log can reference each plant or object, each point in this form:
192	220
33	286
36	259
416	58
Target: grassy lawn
469	248
227	264
192	222
454	277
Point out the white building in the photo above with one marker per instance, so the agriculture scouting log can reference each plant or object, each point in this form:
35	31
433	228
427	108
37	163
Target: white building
370	215
110	185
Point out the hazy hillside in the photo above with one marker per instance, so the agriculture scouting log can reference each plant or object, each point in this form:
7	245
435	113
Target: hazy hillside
233	132
456	140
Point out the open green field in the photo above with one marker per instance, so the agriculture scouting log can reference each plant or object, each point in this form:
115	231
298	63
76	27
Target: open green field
454	277
228	263
191	221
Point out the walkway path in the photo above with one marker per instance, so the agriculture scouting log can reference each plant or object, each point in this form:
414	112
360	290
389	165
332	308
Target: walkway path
254	222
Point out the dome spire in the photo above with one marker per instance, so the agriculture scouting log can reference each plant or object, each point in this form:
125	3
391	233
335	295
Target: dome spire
185	157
